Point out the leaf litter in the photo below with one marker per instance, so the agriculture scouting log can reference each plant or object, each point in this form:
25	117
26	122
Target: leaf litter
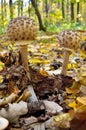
61	99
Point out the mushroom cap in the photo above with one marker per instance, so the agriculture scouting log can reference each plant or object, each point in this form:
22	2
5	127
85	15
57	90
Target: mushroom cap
70	40
22	28
3	123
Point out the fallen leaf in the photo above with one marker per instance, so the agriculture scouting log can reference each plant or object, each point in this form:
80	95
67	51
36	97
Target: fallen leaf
35	61
1	78
72	90
1	65
44	73
63	120
83	81
83	89
81	100
52	107
74	105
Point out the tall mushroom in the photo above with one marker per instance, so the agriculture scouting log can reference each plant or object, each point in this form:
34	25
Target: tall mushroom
22	30
69	40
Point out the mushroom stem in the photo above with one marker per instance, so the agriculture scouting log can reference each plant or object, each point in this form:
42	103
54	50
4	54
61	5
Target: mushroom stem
65	61
24	55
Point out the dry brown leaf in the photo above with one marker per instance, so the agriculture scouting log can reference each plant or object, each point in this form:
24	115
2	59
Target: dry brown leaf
12	88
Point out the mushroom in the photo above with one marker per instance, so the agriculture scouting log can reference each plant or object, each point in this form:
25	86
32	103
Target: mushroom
22	30
70	41
3	123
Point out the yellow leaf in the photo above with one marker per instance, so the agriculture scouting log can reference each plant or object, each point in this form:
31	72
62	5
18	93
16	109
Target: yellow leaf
82	108
63	120
1	65
44	73
74	105
46	61
35	61
73	65
83	81
70	66
76	85
84	74
83	53
72	90
5	44
1	78
44	51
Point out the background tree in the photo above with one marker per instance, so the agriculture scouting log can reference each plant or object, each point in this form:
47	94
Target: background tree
72	10
11	8
63	10
34	4
20	7
2	10
78	10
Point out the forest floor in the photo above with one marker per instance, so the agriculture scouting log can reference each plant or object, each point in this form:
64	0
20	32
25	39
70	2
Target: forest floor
60	103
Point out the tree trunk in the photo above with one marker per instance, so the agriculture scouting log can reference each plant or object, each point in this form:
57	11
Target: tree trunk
5	9
2	10
72	11
46	7
78	7
21	7
41	27
63	12
68	10
29	9
11	8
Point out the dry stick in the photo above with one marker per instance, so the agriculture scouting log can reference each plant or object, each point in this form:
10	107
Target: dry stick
65	61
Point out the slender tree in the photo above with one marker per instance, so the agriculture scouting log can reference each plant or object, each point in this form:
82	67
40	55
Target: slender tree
21	7
11	8
72	11
5	9
2	9
63	11
67	9
78	9
34	4
29	8
46	7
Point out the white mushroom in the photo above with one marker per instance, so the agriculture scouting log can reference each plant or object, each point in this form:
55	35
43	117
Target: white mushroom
3	123
69	40
22	30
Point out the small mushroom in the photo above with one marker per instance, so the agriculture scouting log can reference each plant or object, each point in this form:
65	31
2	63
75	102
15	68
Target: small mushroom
70	41
22	30
3	123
